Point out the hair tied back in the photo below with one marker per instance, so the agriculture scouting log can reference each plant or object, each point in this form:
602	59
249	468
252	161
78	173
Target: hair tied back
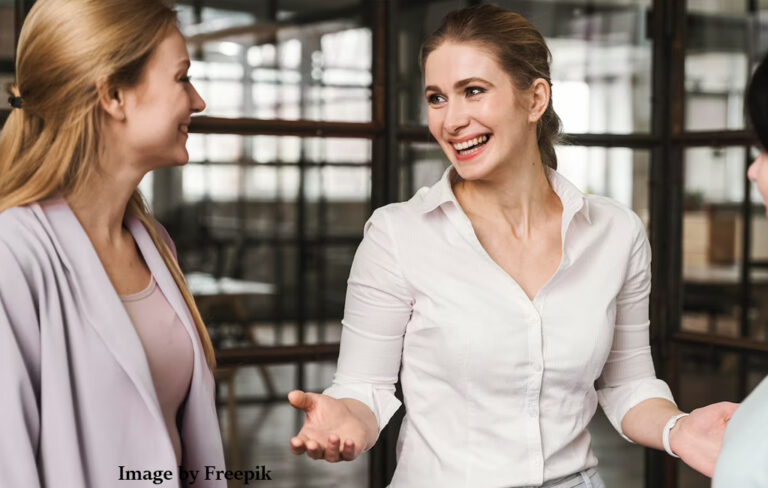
15	99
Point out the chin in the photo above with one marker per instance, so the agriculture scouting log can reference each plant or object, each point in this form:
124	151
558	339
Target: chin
469	171
181	159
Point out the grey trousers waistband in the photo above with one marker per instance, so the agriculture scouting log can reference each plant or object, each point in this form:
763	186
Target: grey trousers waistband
571	480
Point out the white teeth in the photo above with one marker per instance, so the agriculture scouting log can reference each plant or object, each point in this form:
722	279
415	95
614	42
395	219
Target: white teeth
460	146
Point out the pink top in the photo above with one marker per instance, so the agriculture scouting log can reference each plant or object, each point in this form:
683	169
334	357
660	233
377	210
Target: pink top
168	349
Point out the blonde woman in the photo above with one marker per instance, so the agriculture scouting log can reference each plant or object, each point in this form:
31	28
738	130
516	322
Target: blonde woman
105	364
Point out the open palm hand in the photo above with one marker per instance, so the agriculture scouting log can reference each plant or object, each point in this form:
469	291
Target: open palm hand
331	430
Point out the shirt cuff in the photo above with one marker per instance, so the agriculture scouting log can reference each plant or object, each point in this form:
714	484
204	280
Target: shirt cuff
382	401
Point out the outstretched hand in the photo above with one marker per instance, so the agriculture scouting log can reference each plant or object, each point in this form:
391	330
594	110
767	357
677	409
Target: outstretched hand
698	438
332	431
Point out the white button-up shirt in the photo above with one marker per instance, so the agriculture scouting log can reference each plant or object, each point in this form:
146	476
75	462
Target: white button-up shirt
498	389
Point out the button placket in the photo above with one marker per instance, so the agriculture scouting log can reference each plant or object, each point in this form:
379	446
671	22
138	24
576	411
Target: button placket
535	360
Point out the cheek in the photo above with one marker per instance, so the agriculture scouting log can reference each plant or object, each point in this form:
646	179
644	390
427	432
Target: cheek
761	178
435	122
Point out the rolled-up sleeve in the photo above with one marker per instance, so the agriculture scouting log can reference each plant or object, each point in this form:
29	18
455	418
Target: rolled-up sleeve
377	308
628	376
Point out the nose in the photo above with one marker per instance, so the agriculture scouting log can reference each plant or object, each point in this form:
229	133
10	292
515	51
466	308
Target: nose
198	104
456	117
753	169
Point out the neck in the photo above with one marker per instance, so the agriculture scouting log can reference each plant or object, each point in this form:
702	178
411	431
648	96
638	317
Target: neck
101	201
518	195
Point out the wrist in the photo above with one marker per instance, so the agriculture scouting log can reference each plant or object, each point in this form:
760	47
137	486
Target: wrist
367	420
670	434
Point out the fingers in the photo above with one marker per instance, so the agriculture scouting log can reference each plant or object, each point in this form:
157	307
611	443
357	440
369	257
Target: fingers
298	446
314	449
348	451
332	454
300	399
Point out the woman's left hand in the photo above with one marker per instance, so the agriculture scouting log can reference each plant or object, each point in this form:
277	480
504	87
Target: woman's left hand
698	437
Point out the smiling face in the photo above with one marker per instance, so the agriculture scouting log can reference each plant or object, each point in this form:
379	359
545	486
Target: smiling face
476	113
158	109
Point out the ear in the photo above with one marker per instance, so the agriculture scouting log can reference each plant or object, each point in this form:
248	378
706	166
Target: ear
540	95
111	100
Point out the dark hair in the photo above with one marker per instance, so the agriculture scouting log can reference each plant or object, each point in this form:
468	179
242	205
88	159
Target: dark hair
519	49
757	102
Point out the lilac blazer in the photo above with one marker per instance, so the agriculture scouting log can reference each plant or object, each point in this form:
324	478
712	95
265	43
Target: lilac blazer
76	395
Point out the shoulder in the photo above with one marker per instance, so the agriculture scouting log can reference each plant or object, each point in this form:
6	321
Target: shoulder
609	212
16	219
397	216
24	243
413	209
21	229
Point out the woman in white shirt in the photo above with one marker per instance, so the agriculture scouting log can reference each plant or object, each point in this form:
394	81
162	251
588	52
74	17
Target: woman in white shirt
501	295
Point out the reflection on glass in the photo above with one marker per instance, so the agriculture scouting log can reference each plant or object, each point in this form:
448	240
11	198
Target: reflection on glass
721	37
719	7
7	30
601	60
246	65
712	237
757	326
619	173
231	148
7	48
261	196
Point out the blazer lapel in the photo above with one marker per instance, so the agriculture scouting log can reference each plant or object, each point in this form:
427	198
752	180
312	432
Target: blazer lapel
169	288
102	306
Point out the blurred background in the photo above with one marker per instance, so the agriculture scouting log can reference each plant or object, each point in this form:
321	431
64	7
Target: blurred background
316	116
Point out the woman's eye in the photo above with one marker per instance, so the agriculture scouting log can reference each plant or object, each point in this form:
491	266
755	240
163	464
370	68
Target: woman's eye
474	90
435	99
186	79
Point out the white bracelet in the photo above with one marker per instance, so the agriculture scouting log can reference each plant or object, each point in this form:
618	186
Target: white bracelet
665	434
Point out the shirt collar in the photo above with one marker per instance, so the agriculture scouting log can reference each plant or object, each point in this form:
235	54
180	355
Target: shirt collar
574	201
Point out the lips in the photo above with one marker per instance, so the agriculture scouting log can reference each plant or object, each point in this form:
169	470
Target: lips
471	148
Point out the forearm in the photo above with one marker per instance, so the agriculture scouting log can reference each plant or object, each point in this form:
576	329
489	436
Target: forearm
645	422
366	417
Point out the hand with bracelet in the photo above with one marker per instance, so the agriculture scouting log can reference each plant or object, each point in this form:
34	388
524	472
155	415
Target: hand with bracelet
695	438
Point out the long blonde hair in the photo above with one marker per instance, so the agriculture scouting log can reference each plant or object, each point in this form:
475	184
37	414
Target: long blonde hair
51	145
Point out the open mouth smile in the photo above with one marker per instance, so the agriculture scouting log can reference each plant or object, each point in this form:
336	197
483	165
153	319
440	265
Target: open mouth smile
469	149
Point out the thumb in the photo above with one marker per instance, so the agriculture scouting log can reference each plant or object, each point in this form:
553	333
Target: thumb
301	400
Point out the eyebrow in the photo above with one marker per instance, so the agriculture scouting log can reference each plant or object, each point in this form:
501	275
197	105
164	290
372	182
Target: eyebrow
460	84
